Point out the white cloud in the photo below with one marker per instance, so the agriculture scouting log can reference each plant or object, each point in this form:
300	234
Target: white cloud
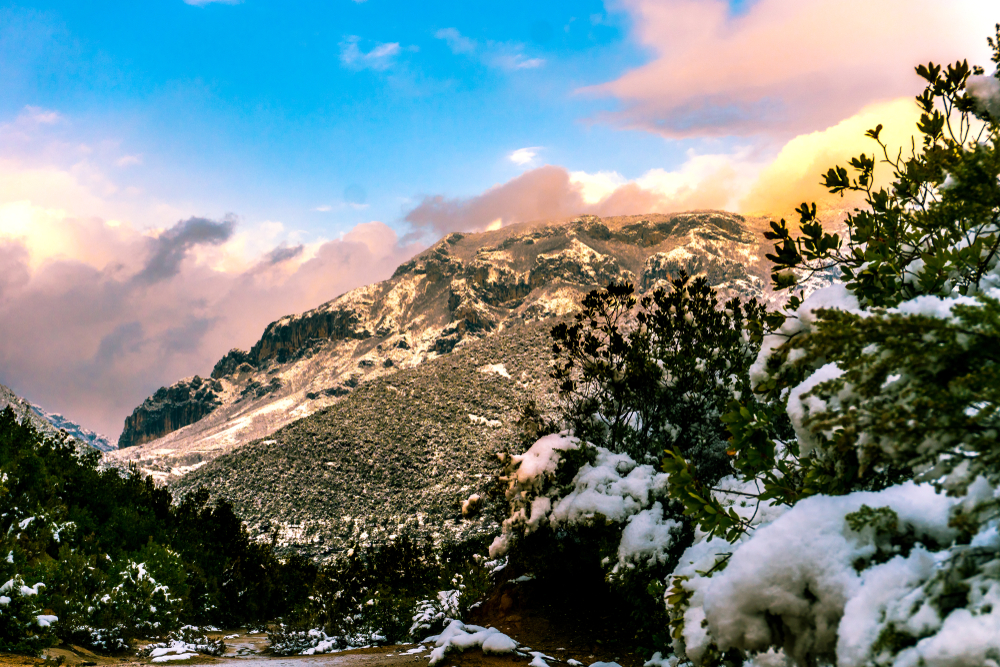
456	41
378	58
502	55
39	115
598	186
325	208
129	160
202	3
511	57
523	156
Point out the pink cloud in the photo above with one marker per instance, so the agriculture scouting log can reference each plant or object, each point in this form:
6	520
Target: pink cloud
784	66
92	340
552	192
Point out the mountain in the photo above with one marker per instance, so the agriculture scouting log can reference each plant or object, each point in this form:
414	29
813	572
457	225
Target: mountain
465	288
80	433
51	424
398	455
383	411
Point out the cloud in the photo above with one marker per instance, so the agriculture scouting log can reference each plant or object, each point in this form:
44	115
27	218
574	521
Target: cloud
502	55
523	156
39	115
282	253
552	192
170	248
202	3
795	173
88	338
325	208
129	160
105	296
783	67
510	57
456	42
379	58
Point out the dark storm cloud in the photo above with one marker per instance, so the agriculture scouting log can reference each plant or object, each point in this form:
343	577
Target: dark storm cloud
170	248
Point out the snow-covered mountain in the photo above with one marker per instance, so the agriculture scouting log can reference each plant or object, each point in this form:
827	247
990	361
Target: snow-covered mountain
80	433
466	288
52	424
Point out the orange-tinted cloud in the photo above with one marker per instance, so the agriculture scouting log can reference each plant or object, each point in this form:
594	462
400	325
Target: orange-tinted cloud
794	176
784	67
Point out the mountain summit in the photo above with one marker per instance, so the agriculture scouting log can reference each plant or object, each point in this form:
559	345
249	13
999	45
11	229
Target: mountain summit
465	288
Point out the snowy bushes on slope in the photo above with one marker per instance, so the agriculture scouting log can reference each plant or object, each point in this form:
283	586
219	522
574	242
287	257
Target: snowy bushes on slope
24	628
861	579
603	488
582	517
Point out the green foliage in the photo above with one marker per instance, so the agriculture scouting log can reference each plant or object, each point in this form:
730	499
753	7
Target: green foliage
118	561
916	393
658	377
370	595
933	231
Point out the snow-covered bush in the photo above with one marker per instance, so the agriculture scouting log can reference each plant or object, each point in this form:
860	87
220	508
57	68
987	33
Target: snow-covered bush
889	553
137	605
432	615
577	510
287	641
184	643
388	593
24	627
459	637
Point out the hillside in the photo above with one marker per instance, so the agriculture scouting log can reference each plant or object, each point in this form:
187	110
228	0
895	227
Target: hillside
397	456
51	424
465	288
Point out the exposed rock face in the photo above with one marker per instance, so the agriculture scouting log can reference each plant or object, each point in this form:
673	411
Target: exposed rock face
52	424
465	288
169	409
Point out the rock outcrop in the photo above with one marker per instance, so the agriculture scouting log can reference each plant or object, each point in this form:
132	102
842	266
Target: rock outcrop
169	409
465	288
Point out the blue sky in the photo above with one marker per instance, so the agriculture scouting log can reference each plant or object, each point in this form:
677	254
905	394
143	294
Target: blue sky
175	176
272	109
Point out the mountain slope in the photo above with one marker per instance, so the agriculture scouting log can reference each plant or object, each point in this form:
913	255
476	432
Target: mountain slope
397	456
465	288
51	424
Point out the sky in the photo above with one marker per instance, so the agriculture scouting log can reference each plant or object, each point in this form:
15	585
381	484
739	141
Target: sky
176	174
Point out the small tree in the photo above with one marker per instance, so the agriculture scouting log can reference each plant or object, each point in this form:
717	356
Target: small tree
646	375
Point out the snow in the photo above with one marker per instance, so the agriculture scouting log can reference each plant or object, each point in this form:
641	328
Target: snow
614	487
542	458
460	637
485	421
538	659
647	537
799	574
177	650
498	369
985	90
801	405
800	321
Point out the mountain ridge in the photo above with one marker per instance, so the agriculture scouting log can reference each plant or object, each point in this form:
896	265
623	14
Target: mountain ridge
465	287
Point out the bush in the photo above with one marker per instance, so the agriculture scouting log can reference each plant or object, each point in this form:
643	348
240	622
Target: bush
119	560
887	551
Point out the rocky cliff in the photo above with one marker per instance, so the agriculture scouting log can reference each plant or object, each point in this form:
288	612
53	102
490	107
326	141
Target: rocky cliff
465	288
